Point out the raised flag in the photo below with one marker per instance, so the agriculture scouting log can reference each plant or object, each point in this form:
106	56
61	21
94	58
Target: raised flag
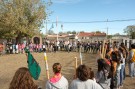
33	65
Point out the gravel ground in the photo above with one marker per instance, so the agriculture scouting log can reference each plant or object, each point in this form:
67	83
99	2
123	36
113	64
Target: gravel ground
10	63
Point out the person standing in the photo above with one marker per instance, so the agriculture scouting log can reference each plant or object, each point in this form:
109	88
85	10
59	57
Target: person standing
58	81
82	81
131	61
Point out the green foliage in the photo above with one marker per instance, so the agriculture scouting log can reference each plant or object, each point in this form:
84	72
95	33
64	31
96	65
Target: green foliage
109	36
116	34
61	33
81	31
98	32
21	18
73	32
50	32
130	30
69	32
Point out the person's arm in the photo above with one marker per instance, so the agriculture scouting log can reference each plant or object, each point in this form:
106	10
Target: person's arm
115	68
131	53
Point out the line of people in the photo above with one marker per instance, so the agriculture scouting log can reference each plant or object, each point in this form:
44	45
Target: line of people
53	46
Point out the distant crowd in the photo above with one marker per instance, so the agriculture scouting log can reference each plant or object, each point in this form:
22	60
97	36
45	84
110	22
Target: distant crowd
54	46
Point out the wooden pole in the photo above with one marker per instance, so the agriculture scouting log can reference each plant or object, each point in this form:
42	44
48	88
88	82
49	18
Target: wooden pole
46	66
81	61
103	48
81	54
76	63
100	49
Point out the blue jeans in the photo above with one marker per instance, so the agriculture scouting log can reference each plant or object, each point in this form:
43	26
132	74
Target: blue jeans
122	75
117	79
131	69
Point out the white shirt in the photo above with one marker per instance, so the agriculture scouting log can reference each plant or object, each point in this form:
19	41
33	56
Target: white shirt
89	84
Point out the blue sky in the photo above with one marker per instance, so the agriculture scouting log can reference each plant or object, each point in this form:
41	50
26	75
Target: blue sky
91	10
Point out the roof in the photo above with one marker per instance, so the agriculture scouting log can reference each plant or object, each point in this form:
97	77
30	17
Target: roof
54	36
88	34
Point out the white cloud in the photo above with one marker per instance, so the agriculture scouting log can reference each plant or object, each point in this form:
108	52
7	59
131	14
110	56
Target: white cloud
66	1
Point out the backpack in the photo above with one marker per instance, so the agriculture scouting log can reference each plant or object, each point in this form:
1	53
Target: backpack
33	65
133	58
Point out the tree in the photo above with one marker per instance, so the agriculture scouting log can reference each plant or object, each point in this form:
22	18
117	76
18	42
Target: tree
82	31
50	32
21	18
69	32
61	32
130	30
98	31
116	34
73	32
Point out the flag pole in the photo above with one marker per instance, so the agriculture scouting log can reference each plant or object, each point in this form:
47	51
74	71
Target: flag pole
46	66
76	63
103	48
75	67
80	55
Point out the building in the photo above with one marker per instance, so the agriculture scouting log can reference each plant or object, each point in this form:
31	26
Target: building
91	36
61	37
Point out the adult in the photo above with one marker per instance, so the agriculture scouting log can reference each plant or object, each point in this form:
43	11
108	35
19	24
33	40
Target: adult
131	61
58	81
82	81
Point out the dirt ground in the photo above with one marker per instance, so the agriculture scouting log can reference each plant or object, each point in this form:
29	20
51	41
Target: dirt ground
10	63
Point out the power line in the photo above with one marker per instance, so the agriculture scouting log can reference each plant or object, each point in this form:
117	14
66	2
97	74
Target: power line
122	20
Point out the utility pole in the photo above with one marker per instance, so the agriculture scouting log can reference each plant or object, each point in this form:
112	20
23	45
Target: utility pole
57	27
46	27
107	29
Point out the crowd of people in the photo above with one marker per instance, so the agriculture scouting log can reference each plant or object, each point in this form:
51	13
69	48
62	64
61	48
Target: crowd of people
110	72
53	46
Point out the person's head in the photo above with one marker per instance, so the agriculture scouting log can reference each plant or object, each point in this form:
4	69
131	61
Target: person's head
133	46
83	72
115	56
56	68
102	65
22	80
123	51
122	44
